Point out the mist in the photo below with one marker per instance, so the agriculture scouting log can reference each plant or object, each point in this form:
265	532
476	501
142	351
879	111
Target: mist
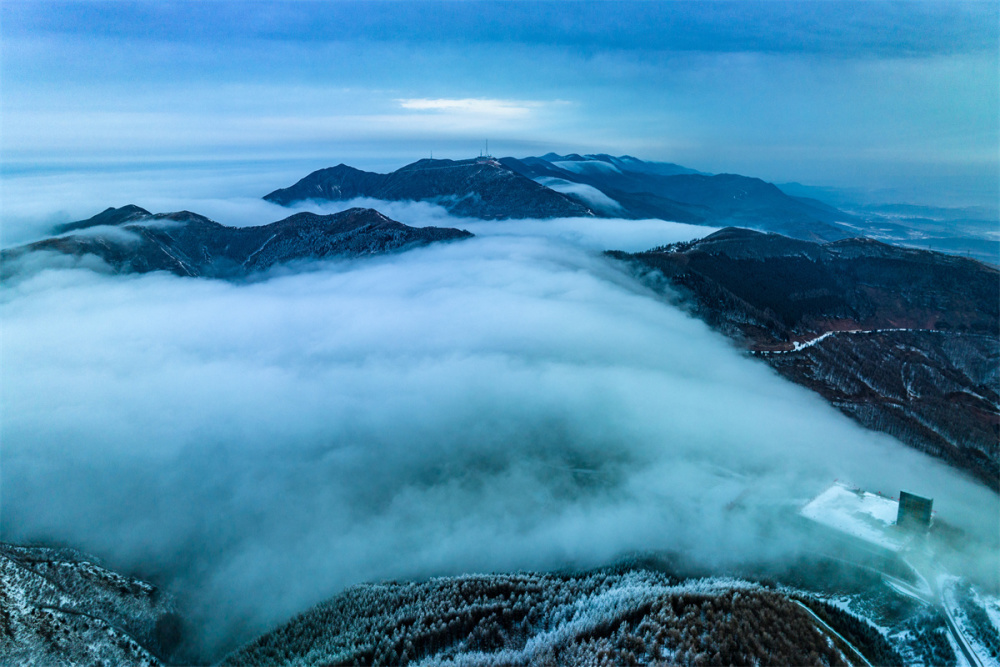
512	401
233	197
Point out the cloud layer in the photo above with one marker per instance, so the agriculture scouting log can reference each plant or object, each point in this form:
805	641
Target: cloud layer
512	401
233	197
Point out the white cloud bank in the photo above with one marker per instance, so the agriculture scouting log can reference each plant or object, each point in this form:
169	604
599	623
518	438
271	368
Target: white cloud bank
511	401
34	204
588	193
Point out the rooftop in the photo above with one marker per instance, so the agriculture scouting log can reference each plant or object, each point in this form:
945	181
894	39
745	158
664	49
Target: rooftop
867	516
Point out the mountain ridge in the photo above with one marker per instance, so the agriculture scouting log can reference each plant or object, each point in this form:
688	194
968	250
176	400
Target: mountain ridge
60	606
482	188
188	244
576	185
902	340
669	191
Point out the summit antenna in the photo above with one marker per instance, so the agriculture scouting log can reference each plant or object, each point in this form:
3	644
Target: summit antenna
485	158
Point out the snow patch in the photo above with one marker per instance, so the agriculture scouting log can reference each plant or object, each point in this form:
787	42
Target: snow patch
861	514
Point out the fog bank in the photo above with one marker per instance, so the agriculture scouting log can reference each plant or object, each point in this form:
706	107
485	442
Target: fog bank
33	204
513	401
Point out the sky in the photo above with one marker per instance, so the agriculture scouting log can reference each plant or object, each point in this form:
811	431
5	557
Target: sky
900	98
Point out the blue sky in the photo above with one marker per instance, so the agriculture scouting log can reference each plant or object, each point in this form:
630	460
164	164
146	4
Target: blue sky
869	95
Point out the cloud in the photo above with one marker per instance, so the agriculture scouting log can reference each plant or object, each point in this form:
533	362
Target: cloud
588	193
117	234
232	196
882	96
479	107
515	401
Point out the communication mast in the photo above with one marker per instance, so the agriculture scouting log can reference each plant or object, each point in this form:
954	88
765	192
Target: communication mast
485	157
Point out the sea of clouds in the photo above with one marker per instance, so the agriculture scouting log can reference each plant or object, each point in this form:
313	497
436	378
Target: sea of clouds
512	401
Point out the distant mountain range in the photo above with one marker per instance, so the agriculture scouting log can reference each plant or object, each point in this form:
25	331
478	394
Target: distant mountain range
481	188
905	341
967	230
671	192
132	240
579	185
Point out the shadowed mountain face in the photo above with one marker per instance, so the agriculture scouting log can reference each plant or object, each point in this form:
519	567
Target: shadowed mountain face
602	185
474	188
905	341
132	240
669	191
555	186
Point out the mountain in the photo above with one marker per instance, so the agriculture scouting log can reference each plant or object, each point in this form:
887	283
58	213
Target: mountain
132	240
110	216
480	188
581	185
904	341
60	607
604	162
604	617
576	185
965	230
669	191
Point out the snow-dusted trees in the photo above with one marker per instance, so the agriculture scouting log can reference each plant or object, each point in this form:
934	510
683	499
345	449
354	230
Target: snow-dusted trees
615	618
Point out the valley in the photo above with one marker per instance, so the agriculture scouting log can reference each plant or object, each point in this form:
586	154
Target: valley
900	340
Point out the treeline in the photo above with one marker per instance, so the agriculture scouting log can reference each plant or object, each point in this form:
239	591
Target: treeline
607	617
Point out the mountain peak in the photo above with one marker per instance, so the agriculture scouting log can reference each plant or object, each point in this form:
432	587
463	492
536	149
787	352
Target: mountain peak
110	216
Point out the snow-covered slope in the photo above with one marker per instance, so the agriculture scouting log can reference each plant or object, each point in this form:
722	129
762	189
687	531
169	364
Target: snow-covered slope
605	617
59	607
